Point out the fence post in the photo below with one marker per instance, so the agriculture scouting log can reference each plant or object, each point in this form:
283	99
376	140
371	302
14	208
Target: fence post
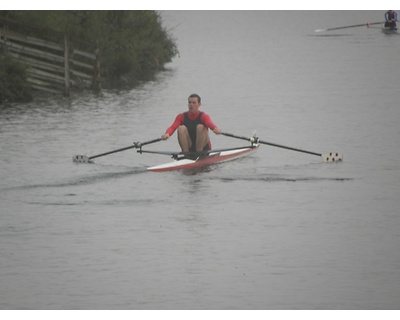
96	83
66	66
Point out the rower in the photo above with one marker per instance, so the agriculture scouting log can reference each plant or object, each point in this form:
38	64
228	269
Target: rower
391	18
192	127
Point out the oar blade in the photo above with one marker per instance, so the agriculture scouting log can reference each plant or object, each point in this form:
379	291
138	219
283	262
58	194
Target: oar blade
81	159
332	157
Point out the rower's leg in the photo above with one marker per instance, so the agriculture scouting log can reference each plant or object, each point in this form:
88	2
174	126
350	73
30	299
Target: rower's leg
202	137
184	138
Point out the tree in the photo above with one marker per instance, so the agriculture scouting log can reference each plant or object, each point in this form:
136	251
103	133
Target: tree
133	45
13	84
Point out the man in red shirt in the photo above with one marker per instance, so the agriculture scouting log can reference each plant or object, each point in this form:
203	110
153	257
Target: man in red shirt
192	127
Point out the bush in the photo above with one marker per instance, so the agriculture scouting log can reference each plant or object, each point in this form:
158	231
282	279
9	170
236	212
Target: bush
13	84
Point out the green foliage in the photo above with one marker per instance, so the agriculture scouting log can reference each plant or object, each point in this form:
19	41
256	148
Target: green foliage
133	45
13	84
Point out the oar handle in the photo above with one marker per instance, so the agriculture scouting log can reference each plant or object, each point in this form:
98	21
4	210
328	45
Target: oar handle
270	143
235	136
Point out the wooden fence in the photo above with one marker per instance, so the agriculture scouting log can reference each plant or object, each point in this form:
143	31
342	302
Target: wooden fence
54	67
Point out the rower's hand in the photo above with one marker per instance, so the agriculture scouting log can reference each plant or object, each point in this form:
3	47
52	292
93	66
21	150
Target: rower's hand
165	136
217	131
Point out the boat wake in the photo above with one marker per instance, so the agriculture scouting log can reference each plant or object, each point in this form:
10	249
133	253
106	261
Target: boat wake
84	180
280	178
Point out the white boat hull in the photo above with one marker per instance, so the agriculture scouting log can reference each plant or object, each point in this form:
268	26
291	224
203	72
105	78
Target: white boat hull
211	158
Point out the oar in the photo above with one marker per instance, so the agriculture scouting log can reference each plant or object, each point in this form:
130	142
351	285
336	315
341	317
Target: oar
87	159
327	157
353	26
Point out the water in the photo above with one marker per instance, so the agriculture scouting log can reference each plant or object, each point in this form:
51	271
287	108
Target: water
277	230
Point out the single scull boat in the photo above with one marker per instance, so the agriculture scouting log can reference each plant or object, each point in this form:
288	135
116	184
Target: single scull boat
211	157
184	161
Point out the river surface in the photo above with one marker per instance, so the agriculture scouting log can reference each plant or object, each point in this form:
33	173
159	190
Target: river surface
279	229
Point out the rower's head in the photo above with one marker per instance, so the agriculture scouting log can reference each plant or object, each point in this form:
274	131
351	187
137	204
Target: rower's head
194	102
